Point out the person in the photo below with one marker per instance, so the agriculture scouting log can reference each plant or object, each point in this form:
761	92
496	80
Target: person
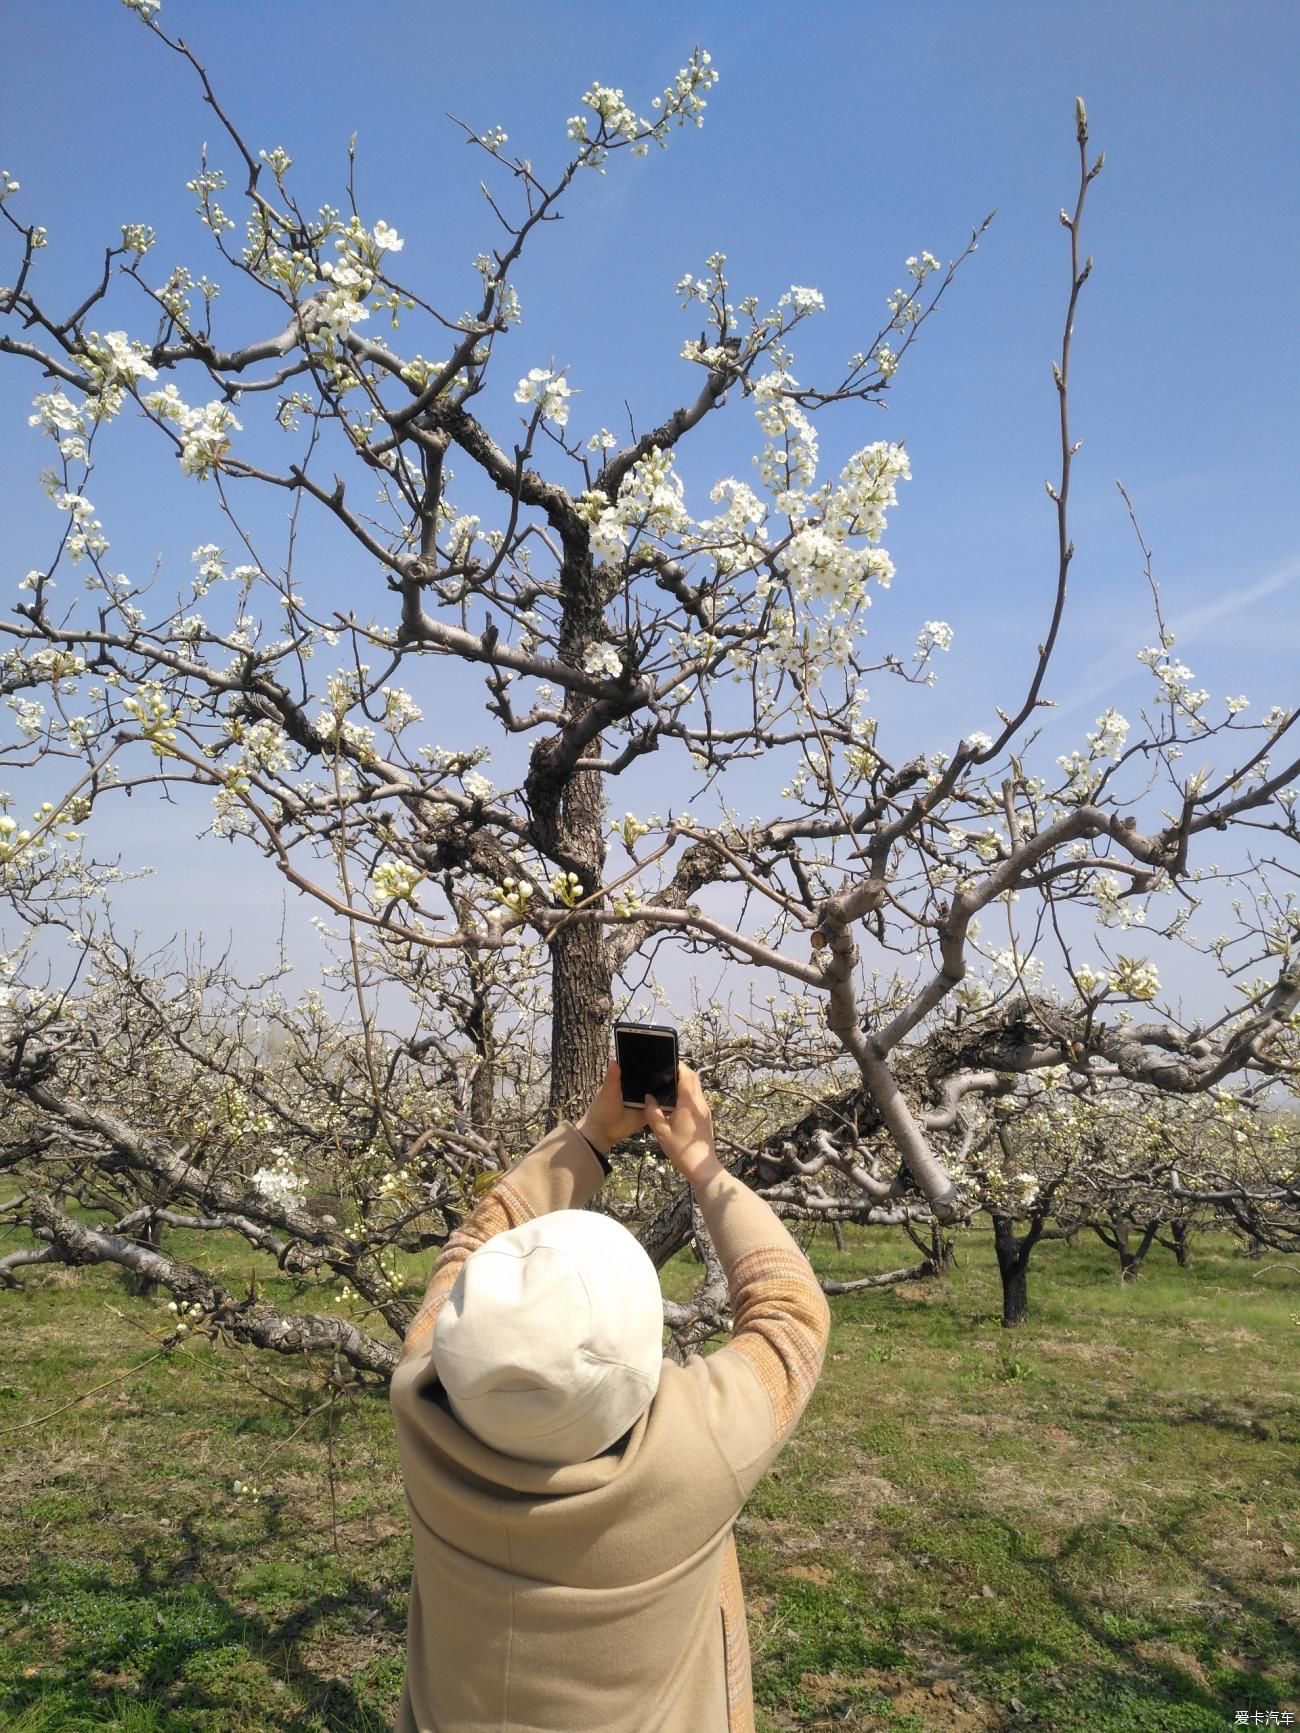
572	1494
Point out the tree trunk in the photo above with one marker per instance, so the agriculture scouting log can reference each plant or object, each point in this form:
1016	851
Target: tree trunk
1182	1243
568	825
482	1089
1116	1237
145	1287
582	1006
941	1254
837	1228
1130	1261
1126	1266
1013	1267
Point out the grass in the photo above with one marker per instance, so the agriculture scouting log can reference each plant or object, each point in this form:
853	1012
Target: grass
1089	1523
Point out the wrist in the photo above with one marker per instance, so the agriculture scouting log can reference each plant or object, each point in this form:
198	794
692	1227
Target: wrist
707	1168
594	1135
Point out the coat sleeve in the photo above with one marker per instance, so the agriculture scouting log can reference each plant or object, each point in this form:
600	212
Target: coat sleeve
760	1382
561	1172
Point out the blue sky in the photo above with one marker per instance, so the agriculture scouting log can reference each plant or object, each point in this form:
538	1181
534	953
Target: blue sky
839	140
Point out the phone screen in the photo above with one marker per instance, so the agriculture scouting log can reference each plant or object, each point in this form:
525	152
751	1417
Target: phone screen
647	1063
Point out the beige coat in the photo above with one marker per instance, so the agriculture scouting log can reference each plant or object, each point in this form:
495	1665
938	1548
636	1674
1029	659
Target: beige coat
601	1596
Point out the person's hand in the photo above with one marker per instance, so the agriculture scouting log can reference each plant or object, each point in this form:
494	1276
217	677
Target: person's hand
607	1122
687	1137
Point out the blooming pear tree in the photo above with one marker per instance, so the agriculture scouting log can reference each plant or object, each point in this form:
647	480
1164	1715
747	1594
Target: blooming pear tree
625	641
1092	1156
184	1098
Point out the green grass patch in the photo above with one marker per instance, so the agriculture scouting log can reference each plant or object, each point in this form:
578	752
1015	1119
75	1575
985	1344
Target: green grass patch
1085	1525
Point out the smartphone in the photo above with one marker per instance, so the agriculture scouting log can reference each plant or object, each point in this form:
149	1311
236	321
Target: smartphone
647	1062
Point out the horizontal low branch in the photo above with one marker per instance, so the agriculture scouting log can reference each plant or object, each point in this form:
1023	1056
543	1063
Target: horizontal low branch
890	1279
76	1243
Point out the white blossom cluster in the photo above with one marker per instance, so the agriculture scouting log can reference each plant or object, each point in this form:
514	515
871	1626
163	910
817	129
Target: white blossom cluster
1084	773
185	1315
1174	680
351	278
86	535
567	888
681	101
514	894
827	574
1092	983
790	465
1135	978
630	827
113	364
400	709
55	413
1107	740
1111	912
650	500
151	708
1027	970
265	743
281	1183
11	838
60	667
395	878
550	389
603	659
203	433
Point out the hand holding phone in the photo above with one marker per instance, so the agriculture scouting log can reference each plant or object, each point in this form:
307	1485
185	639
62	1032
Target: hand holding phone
687	1138
647	1062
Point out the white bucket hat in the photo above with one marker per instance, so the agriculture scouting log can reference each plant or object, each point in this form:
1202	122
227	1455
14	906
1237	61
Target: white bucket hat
550	1344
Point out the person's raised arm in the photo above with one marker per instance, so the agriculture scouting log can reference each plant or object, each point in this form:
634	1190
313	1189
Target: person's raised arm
781	1320
738	1221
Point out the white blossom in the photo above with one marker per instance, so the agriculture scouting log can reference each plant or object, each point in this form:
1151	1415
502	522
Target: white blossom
1107	740
280	1183
551	389
56	413
1135	978
803	300
603	659
203	432
395	878
400	709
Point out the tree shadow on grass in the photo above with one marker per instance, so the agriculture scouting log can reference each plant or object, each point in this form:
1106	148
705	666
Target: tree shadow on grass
1126	1687
173	1641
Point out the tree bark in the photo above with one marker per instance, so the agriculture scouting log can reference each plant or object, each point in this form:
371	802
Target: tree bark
582	1000
1013	1266
145	1286
1130	1261
942	1253
568	814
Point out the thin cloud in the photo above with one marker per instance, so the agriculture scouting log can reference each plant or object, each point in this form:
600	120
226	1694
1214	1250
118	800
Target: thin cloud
1118	663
